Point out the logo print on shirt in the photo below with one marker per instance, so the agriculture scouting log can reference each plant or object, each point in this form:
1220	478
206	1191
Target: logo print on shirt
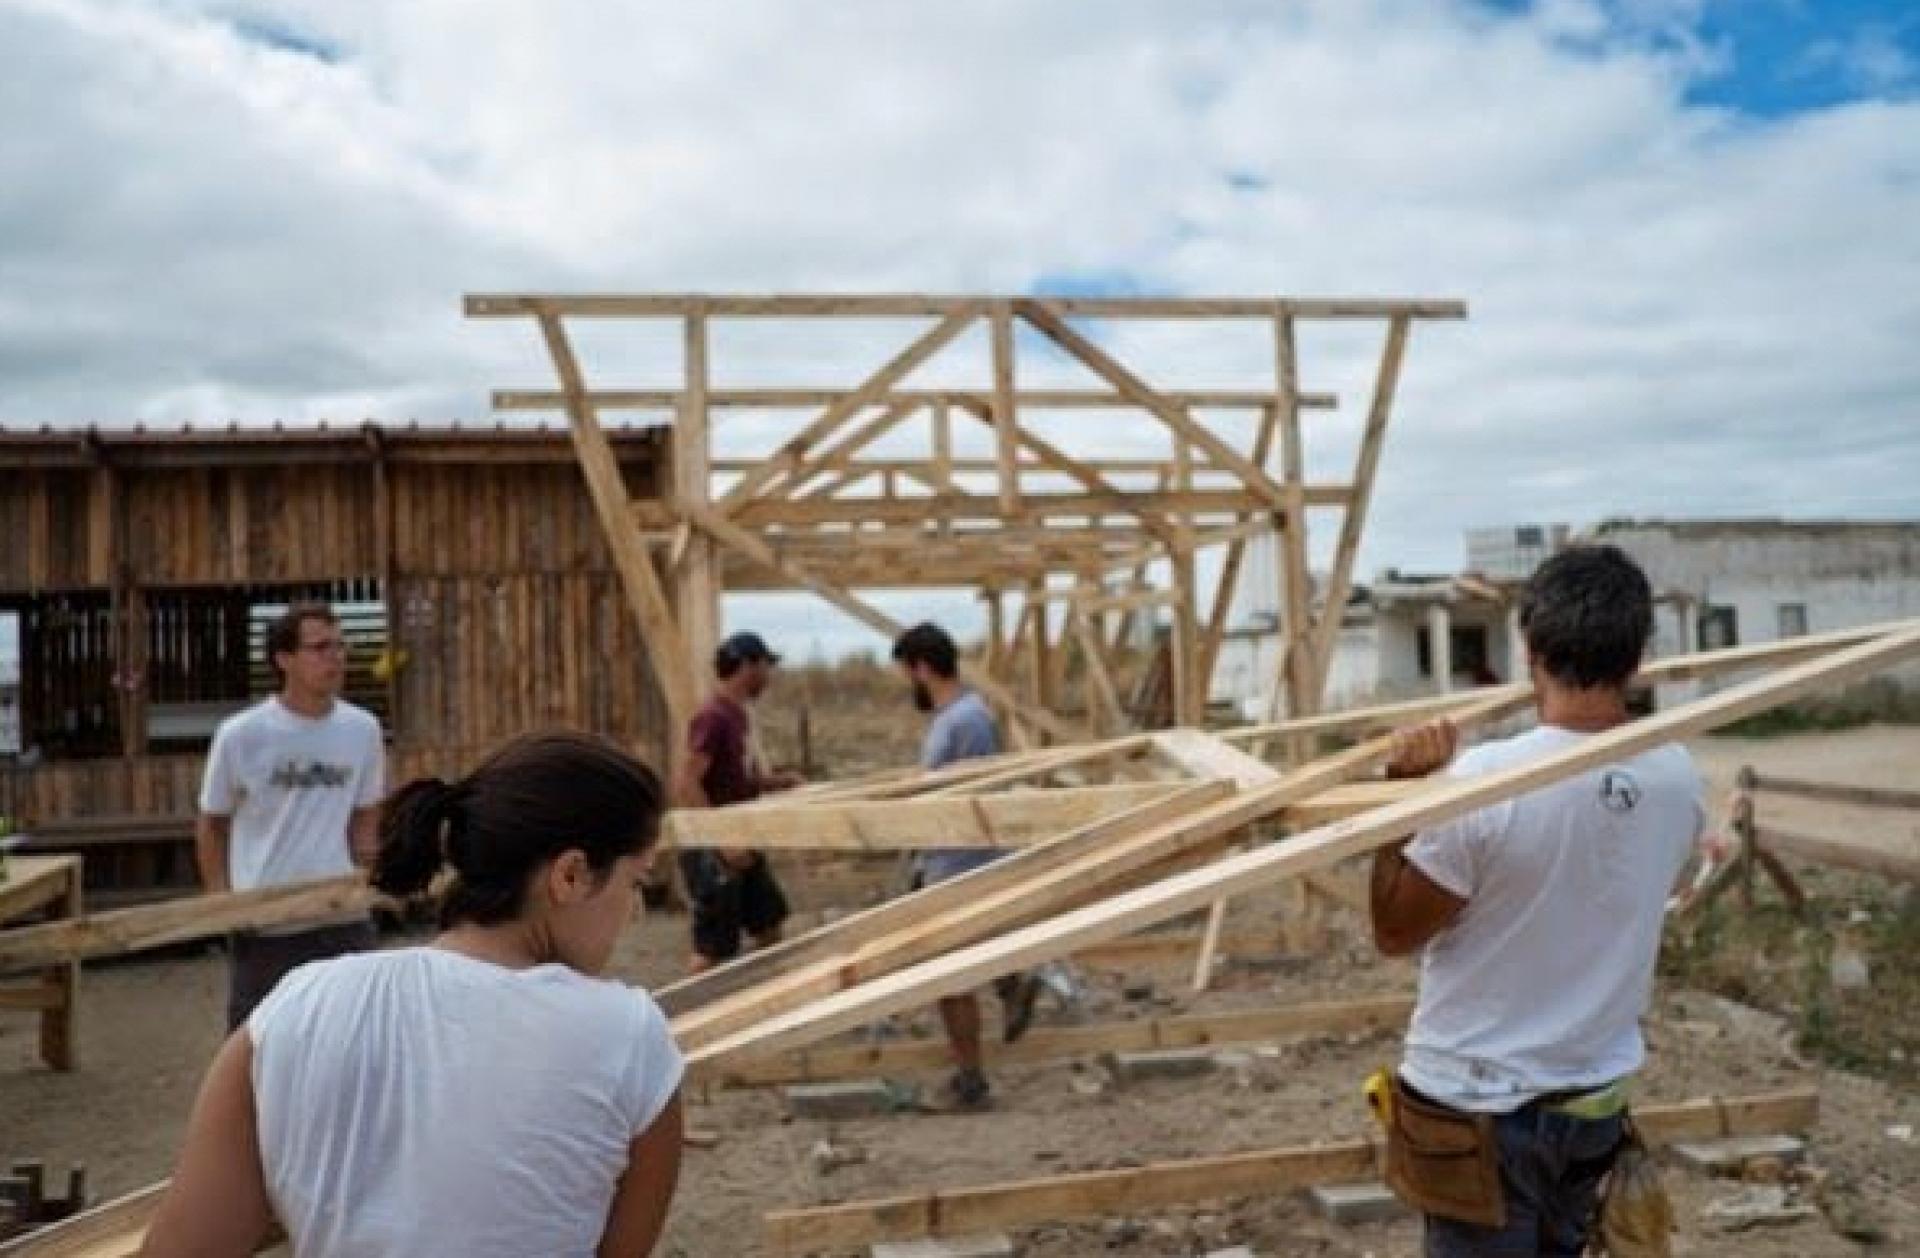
1618	791
291	775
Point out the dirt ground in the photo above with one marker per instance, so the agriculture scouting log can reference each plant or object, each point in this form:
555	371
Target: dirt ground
151	1025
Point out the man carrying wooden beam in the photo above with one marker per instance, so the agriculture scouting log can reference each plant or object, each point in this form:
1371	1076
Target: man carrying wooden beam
291	794
1539	923
962	728
733	890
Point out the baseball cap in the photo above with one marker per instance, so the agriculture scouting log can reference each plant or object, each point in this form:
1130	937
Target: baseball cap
746	648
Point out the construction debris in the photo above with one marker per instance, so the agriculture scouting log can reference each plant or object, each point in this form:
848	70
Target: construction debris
840	1101
1732	1157
1349	1204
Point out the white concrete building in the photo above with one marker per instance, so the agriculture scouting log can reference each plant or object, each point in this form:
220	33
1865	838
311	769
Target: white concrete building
1716	583
1750	581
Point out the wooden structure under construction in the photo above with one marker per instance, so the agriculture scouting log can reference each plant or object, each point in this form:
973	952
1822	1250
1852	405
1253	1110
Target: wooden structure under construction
480	600
1043	516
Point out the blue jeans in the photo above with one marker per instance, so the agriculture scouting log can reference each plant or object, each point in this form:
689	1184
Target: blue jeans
1551	1165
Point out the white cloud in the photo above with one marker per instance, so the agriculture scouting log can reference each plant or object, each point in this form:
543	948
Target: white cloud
1675	310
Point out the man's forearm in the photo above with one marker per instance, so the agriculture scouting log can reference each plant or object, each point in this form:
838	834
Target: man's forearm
1388	861
210	840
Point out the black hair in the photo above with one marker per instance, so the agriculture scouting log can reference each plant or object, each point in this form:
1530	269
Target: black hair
533	799
283	631
927	643
1587	615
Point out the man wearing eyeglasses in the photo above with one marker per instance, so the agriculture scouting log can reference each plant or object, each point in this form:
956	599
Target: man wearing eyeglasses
292	794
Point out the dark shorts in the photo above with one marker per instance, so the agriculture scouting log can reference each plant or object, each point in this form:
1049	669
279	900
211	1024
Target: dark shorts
1551	1165
261	961
729	903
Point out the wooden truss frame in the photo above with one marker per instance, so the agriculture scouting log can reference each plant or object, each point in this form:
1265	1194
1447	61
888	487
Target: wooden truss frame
1037	521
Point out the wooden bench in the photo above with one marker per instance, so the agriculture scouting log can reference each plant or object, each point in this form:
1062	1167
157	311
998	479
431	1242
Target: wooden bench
131	858
46	886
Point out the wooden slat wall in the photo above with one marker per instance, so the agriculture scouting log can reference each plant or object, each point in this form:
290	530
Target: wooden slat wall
505	602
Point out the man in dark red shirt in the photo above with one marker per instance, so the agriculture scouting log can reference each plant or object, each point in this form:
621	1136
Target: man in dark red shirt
733	891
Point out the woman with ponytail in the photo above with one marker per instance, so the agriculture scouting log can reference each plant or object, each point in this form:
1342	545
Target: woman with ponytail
487	1094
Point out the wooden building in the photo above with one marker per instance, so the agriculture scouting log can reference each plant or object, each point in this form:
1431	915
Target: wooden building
141	568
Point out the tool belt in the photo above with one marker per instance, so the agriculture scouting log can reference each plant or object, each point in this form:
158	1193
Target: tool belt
1444	1161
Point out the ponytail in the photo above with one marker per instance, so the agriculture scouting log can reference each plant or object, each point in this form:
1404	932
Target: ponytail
535	798
413	835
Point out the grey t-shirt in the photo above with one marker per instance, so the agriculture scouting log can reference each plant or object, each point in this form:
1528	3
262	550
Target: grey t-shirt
962	730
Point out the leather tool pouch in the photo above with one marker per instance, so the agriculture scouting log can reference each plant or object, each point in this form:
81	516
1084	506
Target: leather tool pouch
1444	1162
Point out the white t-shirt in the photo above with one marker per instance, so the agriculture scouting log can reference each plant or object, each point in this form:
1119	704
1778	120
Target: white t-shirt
418	1101
291	784
1540	983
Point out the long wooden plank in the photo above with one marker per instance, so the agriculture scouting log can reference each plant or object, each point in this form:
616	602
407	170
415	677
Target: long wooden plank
792	398
1045	879
757	969
914	306
1327	629
990	821
1198	753
1294	678
1072	867
123	931
788	457
972	514
659	632
113	1230
995	1207
1244	1026
1675	668
1317	849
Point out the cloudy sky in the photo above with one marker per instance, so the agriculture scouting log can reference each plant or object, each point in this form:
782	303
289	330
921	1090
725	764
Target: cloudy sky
1688	230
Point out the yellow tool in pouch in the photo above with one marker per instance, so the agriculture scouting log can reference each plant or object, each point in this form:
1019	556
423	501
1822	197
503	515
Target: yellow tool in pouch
1378	1090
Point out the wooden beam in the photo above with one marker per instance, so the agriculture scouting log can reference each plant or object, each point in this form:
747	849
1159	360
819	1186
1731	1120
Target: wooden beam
1245	1026
920	306
1372	438
1229	579
1103	696
1322	848
890	373
1265	1173
124	931
1006	415
659	633
799	398
835	938
1058	510
950	821
732	535
1196	753
1099	489
837	456
1054	328
697	575
1297	679
1076	864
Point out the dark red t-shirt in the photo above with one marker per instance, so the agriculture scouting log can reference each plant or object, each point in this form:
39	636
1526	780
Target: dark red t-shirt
719	732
